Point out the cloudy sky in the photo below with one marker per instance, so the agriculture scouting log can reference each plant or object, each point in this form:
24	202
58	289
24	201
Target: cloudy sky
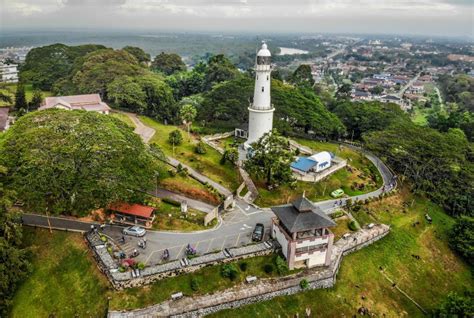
433	17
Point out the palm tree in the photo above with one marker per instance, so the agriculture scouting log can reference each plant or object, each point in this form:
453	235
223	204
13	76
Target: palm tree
188	113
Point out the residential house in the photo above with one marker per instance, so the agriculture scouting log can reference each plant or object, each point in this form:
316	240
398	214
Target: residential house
90	102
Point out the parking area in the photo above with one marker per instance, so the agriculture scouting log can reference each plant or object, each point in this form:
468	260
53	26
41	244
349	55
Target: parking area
235	230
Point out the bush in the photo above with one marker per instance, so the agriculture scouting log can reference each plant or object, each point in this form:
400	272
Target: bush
194	284
121	269
200	148
172	173
461	237
304	284
281	266
140	266
229	271
103	238
456	306
243	266
354	225
172	202
268	268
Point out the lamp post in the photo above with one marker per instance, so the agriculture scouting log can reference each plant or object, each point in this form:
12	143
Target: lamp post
157	174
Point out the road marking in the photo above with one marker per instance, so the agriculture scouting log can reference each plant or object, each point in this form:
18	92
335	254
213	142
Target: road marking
248	208
237	241
210	244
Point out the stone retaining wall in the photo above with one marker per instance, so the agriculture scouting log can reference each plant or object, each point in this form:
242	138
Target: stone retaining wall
264	289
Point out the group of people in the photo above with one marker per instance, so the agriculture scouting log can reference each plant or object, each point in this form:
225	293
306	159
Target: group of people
95	229
338	203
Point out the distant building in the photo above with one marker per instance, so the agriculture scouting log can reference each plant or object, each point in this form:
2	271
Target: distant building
90	102
302	230
315	163
9	73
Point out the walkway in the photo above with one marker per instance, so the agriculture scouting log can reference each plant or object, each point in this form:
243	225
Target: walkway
140	129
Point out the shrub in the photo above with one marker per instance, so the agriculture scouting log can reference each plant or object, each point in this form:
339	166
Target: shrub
461	237
172	173
229	271
103	238
121	269
194	284
170	201
268	268
243	266
200	148
281	266
354	225
140	266
304	284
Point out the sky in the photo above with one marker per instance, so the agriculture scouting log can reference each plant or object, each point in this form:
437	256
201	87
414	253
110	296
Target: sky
413	17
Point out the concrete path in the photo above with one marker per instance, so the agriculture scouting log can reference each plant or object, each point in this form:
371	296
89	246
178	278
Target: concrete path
140	129
194	204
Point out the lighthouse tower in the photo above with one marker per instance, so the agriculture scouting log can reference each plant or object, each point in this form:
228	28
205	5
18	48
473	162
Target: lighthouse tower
261	110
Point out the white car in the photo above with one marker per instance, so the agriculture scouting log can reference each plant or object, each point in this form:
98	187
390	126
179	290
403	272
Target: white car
134	231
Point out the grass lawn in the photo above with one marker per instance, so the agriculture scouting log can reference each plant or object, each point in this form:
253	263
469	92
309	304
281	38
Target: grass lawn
341	228
208	279
194	220
419	115
427	280
207	164
123	118
11	89
363	173
65	281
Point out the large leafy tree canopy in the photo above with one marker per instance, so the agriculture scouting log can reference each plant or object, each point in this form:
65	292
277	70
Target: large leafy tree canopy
437	164
139	54
47	64
364	117
296	110
168	63
219	69
270	159
100	68
13	257
302	76
461	238
75	161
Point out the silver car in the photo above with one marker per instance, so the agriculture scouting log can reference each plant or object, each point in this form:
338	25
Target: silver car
134	231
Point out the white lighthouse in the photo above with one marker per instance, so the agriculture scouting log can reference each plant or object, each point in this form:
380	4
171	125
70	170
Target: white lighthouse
261	110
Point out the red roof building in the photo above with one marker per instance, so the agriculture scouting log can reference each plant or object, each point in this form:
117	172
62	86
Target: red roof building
133	213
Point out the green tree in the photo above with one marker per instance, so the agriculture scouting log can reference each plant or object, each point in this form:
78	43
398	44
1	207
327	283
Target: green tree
168	63
456	306
175	138
21	105
377	90
100	68
36	100
127	93
302	76
139	54
187	113
219	69
158	97
5	93
46	65
270	159
80	161
436	164
13	257
344	91
230	154
461	238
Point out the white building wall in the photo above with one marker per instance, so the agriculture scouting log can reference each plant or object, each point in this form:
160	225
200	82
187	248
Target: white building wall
281	238
317	258
261	95
260	122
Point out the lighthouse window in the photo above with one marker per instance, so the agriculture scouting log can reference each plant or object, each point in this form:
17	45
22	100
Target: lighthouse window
267	77
257	77
263	88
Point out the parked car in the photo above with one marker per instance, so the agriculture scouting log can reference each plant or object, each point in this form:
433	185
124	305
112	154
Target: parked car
337	193
134	231
258	232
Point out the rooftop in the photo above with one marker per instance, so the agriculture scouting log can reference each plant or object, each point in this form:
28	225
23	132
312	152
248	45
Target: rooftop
132	209
302	215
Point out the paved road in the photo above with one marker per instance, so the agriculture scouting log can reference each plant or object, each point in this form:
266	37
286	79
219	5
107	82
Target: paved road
404	88
194	204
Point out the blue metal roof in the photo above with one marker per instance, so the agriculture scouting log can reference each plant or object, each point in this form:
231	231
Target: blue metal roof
303	164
